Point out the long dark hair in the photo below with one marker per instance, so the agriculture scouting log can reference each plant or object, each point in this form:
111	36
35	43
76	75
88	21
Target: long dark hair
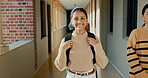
143	11
80	9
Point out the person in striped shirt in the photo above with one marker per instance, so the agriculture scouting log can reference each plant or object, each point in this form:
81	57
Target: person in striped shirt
137	49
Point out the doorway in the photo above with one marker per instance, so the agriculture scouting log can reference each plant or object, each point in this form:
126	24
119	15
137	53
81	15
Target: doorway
49	27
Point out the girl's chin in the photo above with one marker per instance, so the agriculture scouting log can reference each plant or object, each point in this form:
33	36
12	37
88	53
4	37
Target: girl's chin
78	28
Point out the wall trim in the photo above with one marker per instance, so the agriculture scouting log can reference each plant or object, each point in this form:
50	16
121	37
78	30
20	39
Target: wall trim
35	36
116	69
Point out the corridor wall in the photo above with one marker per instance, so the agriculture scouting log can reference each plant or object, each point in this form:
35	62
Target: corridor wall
25	60
59	29
114	43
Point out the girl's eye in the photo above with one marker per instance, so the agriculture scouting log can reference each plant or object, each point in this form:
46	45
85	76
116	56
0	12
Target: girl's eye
75	18
82	18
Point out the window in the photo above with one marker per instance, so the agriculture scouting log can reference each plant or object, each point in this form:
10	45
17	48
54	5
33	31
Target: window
111	15
43	19
131	16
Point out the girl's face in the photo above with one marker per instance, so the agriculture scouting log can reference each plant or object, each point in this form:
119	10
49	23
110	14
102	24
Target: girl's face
145	16
79	20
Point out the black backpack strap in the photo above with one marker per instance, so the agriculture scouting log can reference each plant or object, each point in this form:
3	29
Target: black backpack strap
92	48
94	59
68	37
91	34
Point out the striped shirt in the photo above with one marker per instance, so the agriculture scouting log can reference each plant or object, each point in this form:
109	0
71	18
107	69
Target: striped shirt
137	53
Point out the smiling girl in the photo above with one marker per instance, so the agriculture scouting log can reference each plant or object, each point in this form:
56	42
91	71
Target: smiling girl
80	50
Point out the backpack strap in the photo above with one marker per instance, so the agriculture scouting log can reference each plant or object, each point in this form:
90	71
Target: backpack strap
92	48
68	37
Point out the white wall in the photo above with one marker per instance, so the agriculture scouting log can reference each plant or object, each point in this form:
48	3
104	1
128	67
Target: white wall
116	44
104	21
98	18
141	4
18	63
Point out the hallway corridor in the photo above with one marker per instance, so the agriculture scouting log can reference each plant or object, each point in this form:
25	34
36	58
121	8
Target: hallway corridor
30	29
48	70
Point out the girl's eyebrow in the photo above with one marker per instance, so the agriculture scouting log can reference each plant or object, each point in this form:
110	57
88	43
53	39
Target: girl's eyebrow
82	16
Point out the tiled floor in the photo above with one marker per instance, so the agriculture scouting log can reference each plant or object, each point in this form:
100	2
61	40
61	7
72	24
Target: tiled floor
48	70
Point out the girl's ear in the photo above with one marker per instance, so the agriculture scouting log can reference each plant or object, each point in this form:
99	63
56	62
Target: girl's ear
142	16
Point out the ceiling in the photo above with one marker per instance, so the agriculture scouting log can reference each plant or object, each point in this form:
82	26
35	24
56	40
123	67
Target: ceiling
70	4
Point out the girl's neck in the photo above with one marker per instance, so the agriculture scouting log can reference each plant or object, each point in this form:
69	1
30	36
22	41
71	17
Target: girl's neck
79	31
146	26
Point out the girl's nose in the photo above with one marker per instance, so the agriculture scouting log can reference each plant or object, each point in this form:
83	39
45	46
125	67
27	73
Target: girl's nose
79	21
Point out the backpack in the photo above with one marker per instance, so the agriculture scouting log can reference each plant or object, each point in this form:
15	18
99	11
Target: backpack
68	37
